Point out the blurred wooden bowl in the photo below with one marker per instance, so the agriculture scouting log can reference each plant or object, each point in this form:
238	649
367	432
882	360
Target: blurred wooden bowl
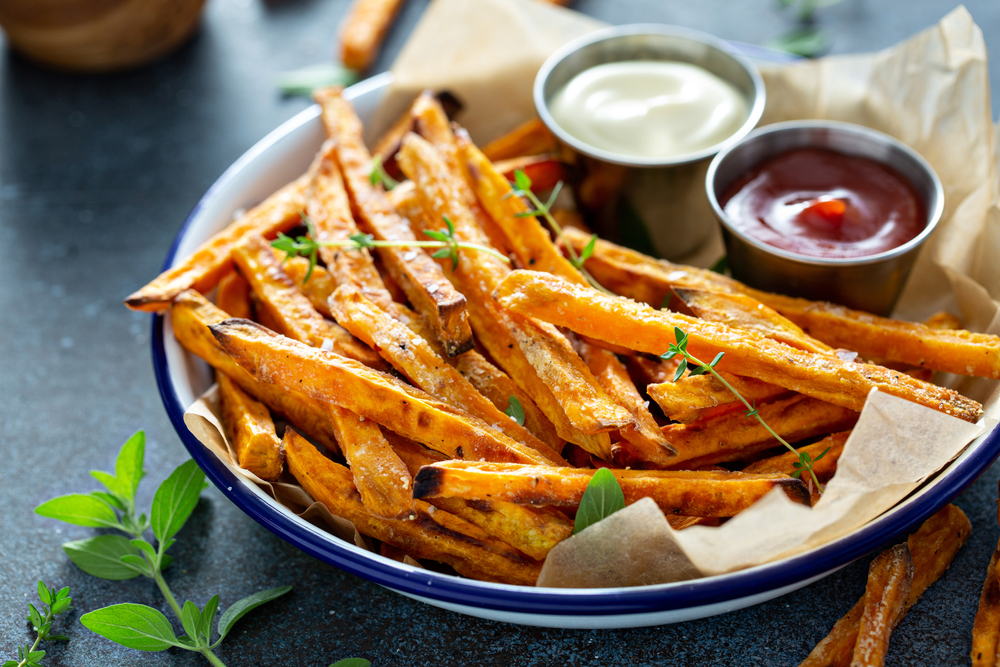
98	35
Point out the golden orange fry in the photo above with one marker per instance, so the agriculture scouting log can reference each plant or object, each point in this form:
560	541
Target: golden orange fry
250	430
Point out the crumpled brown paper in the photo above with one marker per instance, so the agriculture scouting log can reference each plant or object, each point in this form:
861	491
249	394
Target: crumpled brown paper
930	92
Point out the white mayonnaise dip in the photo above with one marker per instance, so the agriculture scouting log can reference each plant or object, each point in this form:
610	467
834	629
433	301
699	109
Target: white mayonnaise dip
649	109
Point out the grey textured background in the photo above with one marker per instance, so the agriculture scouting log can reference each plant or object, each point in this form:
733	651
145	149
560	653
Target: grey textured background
96	175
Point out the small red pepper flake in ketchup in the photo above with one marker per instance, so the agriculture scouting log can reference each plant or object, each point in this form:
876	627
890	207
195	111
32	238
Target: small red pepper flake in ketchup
821	203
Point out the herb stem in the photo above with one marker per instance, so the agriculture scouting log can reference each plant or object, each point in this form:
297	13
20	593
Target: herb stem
165	590
752	411
211	657
413	244
38	640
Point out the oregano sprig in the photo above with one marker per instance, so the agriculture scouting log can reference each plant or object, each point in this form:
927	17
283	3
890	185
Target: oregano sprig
522	188
695	366
602	498
119	557
308	246
53	603
515	410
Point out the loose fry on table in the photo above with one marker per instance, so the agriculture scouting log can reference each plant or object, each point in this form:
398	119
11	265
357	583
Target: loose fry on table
890	577
234	295
687	492
533	530
932	548
690	397
986	628
742	312
414	357
536	356
191	315
203	268
364	29
291	309
250	430
643	278
432	534
531	138
430	293
732	436
329	209
639	327
331	378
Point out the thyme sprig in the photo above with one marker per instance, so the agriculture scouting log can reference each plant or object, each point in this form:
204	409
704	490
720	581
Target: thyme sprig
522	188
379	175
695	366
53	603
308	247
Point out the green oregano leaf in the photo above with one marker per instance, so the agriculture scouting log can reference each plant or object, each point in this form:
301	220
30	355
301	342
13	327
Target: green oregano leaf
602	498
515	410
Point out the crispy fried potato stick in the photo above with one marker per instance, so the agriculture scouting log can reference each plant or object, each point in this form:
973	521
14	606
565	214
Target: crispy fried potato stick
643	278
435	535
250	429
234	295
687	399
191	314
545	171
890	577
741	312
330	212
531	138
431	294
932	548
732	436
986	628
533	530
691	493
331	378
624	322
363	30
535	355
414	357
487	379
202	269
379	475
290	308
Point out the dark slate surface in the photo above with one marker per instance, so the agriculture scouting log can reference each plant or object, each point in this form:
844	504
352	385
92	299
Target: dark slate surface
97	174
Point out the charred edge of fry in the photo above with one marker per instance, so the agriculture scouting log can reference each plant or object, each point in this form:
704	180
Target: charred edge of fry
427	482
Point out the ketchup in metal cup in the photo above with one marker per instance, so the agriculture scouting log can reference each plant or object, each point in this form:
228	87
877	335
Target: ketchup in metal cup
821	203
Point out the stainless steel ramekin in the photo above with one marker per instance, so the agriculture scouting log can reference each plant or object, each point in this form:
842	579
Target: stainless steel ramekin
664	192
871	283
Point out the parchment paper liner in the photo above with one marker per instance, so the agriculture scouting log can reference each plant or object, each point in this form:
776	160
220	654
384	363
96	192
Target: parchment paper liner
930	91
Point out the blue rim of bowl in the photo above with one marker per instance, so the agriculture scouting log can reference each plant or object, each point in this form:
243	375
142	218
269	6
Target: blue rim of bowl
456	590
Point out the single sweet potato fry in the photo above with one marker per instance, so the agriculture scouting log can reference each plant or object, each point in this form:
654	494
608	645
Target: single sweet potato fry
191	314
363	30
986	628
642	278
414	357
742	312
691	493
329	209
687	399
932	548
514	342
890	577
289	307
533	530
331	378
426	287
234	295
545	171
202	270
250	429
531	138
639	327
432	534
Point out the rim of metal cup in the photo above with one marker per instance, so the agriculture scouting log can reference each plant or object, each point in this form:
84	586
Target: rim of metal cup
655	29
934	209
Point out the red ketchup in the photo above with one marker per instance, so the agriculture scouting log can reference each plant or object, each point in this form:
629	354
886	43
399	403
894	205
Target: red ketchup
820	203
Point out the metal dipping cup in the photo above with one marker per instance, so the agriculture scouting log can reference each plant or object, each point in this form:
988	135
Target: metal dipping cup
666	193
871	283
